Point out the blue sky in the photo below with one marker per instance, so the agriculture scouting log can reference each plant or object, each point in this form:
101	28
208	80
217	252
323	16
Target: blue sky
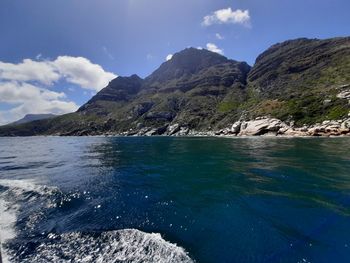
124	37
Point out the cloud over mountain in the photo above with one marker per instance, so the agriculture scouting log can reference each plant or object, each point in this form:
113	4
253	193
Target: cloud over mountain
25	98
214	48
25	87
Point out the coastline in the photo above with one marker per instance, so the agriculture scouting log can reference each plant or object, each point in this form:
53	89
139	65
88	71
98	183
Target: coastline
258	127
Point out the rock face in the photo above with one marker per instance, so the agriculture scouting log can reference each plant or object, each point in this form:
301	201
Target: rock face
300	79
275	127
236	127
330	128
261	126
298	82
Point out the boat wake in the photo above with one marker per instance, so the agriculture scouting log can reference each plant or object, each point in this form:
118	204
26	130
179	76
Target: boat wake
126	245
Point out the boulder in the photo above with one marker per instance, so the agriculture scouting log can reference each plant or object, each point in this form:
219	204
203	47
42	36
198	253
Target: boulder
345	124
262	126
174	128
143	131
236	127
151	132
344	94
225	131
183	131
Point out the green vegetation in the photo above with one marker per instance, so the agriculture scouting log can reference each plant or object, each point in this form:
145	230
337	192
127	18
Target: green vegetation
295	80
227	106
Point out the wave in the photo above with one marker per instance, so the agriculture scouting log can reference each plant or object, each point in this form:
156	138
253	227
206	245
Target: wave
126	245
13	193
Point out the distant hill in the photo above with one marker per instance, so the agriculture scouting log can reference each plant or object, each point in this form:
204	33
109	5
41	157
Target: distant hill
33	117
303	81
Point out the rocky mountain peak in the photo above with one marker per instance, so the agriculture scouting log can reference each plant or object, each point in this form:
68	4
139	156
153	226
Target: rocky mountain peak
186	62
122	83
119	89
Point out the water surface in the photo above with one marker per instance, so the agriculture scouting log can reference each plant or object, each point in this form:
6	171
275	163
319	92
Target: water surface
164	199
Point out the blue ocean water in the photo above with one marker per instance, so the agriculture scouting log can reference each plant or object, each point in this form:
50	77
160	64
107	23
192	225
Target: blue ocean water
161	199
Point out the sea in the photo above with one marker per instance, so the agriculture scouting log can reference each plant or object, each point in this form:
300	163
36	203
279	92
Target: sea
173	199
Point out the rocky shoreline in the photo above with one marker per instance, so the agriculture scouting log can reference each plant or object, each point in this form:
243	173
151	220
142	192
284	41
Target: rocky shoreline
265	126
262	126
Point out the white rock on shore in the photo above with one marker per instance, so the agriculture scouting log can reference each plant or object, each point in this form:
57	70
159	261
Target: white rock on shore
262	126
275	127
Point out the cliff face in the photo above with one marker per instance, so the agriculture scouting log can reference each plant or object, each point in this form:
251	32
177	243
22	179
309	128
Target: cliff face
299	80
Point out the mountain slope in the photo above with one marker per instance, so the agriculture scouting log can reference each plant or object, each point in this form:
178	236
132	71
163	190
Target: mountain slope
302	80
187	90
33	117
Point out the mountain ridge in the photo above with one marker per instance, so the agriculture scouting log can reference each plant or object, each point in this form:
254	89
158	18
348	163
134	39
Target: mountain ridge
33	117
296	80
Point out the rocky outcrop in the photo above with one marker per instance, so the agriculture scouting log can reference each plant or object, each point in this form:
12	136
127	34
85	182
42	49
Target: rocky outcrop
330	128
275	127
262	126
345	93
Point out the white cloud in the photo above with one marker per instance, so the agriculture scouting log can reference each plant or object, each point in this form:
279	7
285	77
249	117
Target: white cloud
227	16
76	70
168	57
218	36
27	98
24	86
214	48
29	70
81	71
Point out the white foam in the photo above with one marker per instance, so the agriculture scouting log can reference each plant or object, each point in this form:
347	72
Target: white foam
22	185
127	245
8	210
7	221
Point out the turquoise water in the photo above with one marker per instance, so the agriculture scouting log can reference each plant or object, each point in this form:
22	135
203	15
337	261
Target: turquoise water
208	199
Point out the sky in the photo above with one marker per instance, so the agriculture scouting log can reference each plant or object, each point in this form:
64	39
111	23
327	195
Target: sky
55	55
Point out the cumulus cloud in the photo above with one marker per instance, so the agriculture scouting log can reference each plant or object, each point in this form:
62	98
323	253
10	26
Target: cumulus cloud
76	70
25	86
29	70
27	98
82	72
214	48
168	57
227	16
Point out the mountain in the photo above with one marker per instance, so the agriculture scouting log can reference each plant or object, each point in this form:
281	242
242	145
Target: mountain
301	79
33	117
297	81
